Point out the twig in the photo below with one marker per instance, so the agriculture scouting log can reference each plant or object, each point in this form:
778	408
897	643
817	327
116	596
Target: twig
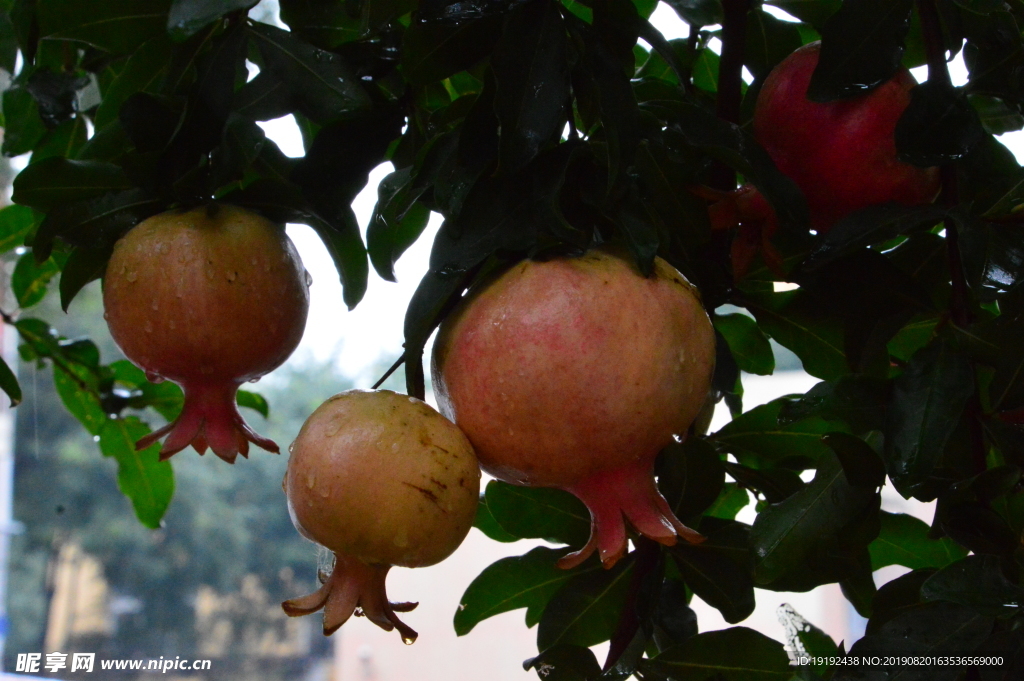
387	374
730	78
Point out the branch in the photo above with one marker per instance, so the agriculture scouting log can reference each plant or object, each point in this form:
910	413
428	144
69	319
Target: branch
730	78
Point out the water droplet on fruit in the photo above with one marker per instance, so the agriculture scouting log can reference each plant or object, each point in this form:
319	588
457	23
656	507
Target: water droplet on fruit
232	276
210	274
148	327
310	481
291	448
309	278
171	323
163	248
106	316
408	640
253	262
154	377
394	446
131	277
255	380
155	306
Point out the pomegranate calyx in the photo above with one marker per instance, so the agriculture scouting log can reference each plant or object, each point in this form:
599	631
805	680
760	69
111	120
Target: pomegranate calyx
616	496
209	419
354	588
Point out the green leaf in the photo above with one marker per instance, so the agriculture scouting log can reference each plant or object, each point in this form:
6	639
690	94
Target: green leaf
861	464
76	387
927	401
58	181
349	255
690	476
925	629
748	344
166	398
585	611
769	41
861	48
141	476
734	654
528	581
95	222
297	75
795	322
485	522
64	140
858	401
187	17
254	401
730	502
398	220
531	67
29	280
23	128
758	440
141	73
785	533
9	383
904	541
117	26
16	222
8	43
538	513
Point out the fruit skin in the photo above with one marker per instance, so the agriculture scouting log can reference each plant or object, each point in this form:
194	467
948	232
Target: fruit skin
842	154
575	373
208	298
380	479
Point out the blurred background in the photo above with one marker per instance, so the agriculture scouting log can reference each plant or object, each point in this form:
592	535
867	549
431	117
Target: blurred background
82	575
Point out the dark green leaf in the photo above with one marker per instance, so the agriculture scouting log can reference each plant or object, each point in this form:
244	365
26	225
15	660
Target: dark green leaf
141	476
785	533
769	41
84	265
858	401
758	440
117	26
16	222
734	654
296	74
187	17
977	582
861	47
433	51
690	476
531	68
58	181
349	255
8	43
713	573
23	128
527	581
938	126
29	279
904	540
814	12
732	499
997	116
9	383
394	227
794	320
698	12
750	348
141	73
254	401
166	398
538	513
585	611
775	484
861	464
927	401
565	663
95	222
64	140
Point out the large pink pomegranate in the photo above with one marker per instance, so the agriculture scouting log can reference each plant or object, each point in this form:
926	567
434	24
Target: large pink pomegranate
574	373
380	479
208	298
842	154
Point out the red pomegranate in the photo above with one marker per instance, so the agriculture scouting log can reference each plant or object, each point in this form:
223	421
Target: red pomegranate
842	154
380	479
208	298
574	373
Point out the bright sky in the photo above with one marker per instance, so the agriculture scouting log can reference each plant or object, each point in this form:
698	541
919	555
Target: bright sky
371	334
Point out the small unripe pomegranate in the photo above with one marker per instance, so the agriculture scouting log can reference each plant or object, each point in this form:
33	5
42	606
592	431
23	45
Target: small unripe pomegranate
574	373
208	298
842	154
380	479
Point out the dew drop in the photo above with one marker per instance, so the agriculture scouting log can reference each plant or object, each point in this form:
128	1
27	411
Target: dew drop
106	316
253	262
131	277
310	481
210	274
309	278
394	446
291	448
154	377
232	276
155	306
255	380
408	640
163	248
148	327
171	323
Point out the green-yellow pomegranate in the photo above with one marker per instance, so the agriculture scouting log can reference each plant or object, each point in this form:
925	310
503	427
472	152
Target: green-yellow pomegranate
380	479
209	298
574	373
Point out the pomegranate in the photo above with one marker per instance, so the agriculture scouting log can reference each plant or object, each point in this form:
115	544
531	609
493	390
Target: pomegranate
574	373
842	154
208	298
380	479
